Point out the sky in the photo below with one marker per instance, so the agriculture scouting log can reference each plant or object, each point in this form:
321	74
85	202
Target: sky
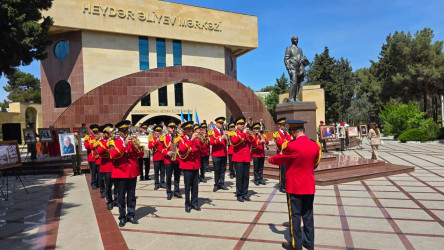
352	29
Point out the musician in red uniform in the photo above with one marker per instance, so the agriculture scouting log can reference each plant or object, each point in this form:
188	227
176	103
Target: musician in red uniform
89	141
171	166
145	159
231	168
281	138
301	157
205	152
156	146
241	139
107	166
189	157
258	154
124	152
100	174
218	141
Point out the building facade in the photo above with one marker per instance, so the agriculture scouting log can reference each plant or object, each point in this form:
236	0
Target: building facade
97	41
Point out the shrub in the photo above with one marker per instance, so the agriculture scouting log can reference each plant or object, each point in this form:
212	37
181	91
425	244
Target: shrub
399	118
413	134
428	130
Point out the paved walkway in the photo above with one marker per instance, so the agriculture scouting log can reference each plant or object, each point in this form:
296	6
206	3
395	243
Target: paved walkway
398	212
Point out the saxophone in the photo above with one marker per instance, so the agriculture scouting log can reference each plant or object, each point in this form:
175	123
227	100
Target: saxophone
173	147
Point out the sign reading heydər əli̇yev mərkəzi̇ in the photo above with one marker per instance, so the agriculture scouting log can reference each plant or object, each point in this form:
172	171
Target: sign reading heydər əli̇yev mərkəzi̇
151	17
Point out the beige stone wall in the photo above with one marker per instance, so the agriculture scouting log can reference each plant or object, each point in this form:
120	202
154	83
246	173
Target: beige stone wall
17	114
107	56
209	56
157	19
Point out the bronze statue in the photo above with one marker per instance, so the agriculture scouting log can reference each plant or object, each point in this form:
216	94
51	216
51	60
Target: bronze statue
295	62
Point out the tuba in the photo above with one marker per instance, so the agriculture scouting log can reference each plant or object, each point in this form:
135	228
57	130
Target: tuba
174	147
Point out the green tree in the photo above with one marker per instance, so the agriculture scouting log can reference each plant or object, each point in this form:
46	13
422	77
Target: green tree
23	32
322	72
267	89
369	88
4	105
411	67
23	87
359	110
272	99
346	83
400	117
282	84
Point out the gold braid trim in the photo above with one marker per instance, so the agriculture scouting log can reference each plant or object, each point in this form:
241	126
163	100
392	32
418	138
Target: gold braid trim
320	153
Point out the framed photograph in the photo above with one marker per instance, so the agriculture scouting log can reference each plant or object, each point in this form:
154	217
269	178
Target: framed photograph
45	135
9	155
341	132
352	131
62	131
67	144
327	132
29	135
82	131
82	149
363	129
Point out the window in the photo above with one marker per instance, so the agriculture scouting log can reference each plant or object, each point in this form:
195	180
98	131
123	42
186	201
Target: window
178	94
62	94
161	52
163	96
143	53
146	101
177	52
61	49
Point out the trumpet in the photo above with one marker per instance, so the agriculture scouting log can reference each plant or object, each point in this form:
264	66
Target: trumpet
249	133
200	137
263	138
136	144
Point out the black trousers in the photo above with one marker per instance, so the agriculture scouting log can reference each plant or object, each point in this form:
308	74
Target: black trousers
94	173
109	182
169	170
242	178
76	161
301	206
258	164
220	167
191	182
282	176
159	172
101	180
324	145
204	164
231	166
127	188
147	166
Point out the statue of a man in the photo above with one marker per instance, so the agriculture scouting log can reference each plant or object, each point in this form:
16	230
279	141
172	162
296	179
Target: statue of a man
295	63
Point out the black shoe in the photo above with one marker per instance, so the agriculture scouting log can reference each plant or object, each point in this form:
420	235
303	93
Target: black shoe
187	209
215	189
141	178
263	182
116	204
75	174
207	170
256	183
102	195
93	187
246	198
162	185
156	187
223	187
307	246
122	222
282	190
231	176
147	178
177	195
287	246
240	199
109	206
169	196
132	220
195	208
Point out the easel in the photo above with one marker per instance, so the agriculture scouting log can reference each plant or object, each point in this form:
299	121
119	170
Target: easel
17	177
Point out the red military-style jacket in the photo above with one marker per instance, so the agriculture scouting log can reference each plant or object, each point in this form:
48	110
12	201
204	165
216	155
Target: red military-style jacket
156	146
230	147
282	138
124	158
205	146
88	141
106	164
301	156
166	143
94	152
189	153
218	146
258	149
241	146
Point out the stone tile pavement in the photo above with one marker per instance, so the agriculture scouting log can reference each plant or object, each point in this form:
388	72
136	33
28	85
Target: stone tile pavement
397	212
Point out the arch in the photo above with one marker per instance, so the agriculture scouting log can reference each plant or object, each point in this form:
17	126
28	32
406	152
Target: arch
62	94
113	101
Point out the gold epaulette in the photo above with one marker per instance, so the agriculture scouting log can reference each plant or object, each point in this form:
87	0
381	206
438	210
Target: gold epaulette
265	136
96	144
211	133
284	146
162	138
276	135
177	139
320	153
86	138
231	133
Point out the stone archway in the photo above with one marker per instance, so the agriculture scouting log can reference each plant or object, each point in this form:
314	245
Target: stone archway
112	101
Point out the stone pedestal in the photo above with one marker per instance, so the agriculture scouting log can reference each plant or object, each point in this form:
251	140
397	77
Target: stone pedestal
300	111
